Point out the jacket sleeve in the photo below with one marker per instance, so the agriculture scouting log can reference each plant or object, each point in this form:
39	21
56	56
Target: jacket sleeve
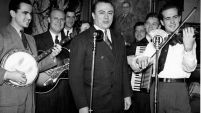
76	72
2	71
126	78
46	62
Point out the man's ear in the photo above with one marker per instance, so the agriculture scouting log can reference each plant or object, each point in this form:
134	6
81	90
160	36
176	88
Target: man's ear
159	27
48	19
93	15
162	22
179	18
12	13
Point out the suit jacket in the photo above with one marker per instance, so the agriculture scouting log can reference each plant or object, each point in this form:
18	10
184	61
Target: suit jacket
18	96
44	42
60	96
111	83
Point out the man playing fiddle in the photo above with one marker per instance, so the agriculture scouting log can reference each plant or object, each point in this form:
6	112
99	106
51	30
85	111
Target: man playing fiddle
176	62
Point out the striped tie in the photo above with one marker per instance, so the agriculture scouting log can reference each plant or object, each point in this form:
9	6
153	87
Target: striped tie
107	41
24	40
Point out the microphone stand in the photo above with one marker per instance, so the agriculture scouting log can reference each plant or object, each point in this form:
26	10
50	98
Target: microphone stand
158	48
156	76
92	73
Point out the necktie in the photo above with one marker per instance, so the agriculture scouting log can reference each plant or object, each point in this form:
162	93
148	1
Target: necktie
107	41
67	32
162	57
24	40
56	39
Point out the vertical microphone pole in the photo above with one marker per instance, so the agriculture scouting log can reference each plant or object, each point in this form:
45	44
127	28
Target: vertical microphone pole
92	74
97	36
157	41
156	83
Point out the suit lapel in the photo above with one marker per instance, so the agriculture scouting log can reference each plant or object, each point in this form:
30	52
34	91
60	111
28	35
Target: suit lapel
48	40
102	45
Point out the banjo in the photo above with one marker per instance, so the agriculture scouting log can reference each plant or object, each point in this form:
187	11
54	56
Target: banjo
22	60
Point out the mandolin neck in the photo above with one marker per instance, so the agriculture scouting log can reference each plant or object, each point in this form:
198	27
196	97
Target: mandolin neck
47	52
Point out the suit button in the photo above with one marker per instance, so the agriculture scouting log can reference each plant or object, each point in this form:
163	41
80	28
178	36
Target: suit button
111	85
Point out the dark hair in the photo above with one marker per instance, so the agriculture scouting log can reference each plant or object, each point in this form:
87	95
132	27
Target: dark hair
138	24
169	5
99	1
15	4
151	15
69	10
126	3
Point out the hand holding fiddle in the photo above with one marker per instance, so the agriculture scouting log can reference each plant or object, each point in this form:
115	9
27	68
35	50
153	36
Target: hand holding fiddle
188	38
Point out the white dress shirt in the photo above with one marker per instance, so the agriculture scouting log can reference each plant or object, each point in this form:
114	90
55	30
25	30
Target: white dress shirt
69	31
108	32
178	64
54	36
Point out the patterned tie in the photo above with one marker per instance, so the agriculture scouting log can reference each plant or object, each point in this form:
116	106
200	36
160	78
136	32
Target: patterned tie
107	41
24	40
56	39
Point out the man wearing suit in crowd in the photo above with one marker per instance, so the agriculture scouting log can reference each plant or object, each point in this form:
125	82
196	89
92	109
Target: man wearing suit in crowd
57	100
140	98
70	31
151	23
15	99
111	89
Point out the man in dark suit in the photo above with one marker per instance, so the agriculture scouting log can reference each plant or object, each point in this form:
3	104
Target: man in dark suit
111	88
70	30
15	99
140	98
56	100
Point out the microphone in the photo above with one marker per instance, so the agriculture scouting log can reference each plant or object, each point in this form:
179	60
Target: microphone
157	40
98	34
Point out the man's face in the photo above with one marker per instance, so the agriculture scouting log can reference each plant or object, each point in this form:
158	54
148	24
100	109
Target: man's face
139	32
151	23
103	15
70	19
22	17
57	20
170	20
126	8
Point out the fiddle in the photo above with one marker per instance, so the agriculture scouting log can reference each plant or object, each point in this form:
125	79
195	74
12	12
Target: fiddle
161	40
178	29
178	37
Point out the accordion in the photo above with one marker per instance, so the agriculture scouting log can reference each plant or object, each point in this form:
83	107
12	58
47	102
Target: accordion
141	81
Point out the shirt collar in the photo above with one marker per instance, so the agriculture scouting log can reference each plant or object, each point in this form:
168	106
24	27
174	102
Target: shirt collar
108	32
54	35
69	31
